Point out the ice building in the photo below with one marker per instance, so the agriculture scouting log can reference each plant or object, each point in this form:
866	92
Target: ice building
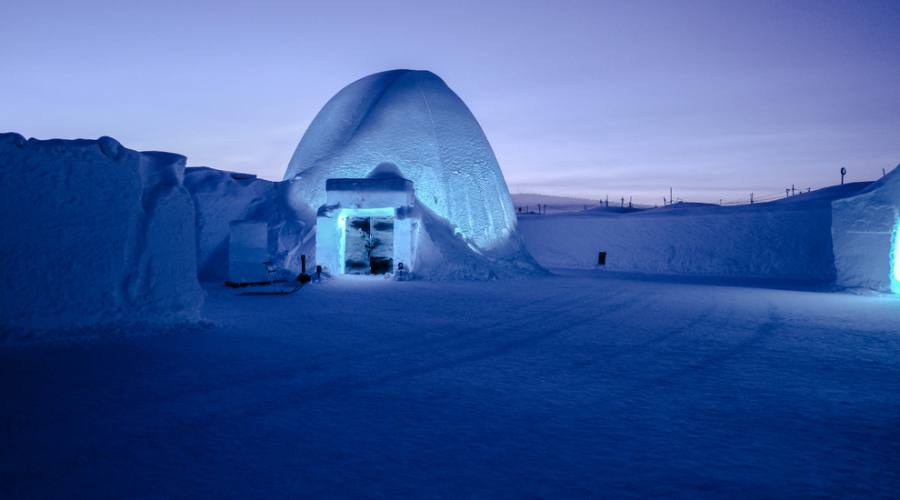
396	164
866	233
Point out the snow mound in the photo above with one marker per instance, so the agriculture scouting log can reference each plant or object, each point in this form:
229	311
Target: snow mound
94	233
413	120
786	242
866	233
223	197
443	254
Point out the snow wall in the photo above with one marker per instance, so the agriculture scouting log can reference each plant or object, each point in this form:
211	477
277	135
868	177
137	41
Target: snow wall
223	197
93	233
786	241
414	121
866	233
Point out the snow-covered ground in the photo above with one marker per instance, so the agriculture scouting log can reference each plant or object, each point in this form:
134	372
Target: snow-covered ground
562	386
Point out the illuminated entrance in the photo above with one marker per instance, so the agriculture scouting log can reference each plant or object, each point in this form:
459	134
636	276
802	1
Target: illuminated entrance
368	226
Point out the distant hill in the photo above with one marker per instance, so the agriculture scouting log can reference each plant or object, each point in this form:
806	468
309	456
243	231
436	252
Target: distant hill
553	203
534	199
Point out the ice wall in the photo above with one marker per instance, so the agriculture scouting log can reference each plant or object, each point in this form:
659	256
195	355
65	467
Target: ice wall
413	120
248	252
94	232
864	230
222	197
788	241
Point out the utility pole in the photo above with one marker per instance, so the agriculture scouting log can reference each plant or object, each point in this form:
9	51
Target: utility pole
792	190
671	199
751	198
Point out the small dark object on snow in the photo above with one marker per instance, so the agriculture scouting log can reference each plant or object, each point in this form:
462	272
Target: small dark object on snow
601	259
379	265
303	278
318	273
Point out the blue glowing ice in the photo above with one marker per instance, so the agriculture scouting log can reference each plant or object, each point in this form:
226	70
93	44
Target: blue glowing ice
413	120
895	259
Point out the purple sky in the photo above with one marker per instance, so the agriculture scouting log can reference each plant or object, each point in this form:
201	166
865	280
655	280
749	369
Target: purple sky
716	99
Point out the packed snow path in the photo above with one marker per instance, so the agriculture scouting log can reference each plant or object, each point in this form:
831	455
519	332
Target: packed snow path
561	386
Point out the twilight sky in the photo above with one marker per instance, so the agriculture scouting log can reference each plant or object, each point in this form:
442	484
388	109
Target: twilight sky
714	98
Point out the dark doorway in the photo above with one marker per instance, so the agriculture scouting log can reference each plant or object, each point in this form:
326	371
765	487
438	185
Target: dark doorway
369	245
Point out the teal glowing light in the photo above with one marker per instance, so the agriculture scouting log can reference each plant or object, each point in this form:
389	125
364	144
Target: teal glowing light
895	258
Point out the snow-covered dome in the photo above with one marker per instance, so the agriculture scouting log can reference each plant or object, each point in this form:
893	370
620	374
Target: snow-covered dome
414	121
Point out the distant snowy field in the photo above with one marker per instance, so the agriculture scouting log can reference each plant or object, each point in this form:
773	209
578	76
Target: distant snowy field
564	386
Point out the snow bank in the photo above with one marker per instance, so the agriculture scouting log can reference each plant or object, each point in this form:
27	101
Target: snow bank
866	230
223	197
443	254
783	241
94	232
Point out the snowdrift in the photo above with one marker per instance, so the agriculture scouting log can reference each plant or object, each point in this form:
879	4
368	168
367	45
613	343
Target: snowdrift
785	241
866	233
443	254
94	232
223	197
